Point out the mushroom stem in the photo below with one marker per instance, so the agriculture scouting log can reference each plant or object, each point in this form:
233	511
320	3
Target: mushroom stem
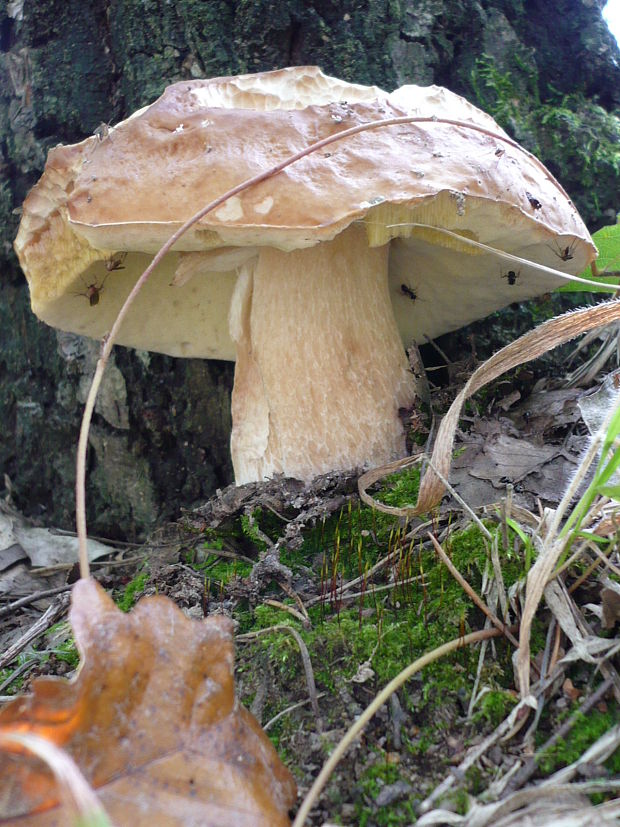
321	372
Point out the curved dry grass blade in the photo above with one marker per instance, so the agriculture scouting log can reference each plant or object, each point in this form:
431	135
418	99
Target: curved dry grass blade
376	474
108	341
74	788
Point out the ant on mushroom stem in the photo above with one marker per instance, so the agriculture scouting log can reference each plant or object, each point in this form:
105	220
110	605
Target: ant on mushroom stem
409	292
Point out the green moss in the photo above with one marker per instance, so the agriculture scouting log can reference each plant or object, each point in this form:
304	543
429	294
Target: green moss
389	628
68	653
371	782
494	707
583	734
250	527
460	798
266	616
217	569
127	599
15	687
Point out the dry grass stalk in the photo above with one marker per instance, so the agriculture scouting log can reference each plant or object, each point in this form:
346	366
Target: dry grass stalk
75	790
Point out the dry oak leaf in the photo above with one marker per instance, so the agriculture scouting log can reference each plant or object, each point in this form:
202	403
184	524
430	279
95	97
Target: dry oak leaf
152	721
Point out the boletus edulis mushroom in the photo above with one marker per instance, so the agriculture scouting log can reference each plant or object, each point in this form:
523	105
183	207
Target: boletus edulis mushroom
312	279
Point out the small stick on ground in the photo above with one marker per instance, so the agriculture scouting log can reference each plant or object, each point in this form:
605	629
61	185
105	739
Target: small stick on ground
25	667
506	512
288	710
287	589
277	604
51	615
32	598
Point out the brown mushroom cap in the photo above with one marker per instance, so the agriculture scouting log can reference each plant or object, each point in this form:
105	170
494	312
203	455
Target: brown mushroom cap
132	189
310	278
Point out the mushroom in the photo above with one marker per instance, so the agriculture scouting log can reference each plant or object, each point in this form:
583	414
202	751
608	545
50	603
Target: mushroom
312	279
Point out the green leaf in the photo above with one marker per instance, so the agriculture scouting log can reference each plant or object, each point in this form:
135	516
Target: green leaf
607	239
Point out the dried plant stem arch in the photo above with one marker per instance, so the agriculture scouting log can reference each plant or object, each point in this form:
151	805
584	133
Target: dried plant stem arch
110	338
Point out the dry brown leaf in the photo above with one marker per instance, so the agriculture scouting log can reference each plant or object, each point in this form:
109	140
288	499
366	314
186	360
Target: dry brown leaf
545	337
152	721
610	602
570	691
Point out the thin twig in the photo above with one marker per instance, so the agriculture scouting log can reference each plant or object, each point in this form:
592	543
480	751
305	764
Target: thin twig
17	673
342	598
290	591
288	710
499	579
363	578
47	571
32	598
277	604
547	665
107	541
53	612
221	552
604	560
506	512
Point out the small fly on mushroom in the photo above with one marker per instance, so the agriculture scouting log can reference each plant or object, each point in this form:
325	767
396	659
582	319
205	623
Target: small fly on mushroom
92	292
512	277
534	202
115	262
408	291
564	253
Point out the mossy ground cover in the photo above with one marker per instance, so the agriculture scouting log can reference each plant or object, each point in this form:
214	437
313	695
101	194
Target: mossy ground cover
357	645
358	639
